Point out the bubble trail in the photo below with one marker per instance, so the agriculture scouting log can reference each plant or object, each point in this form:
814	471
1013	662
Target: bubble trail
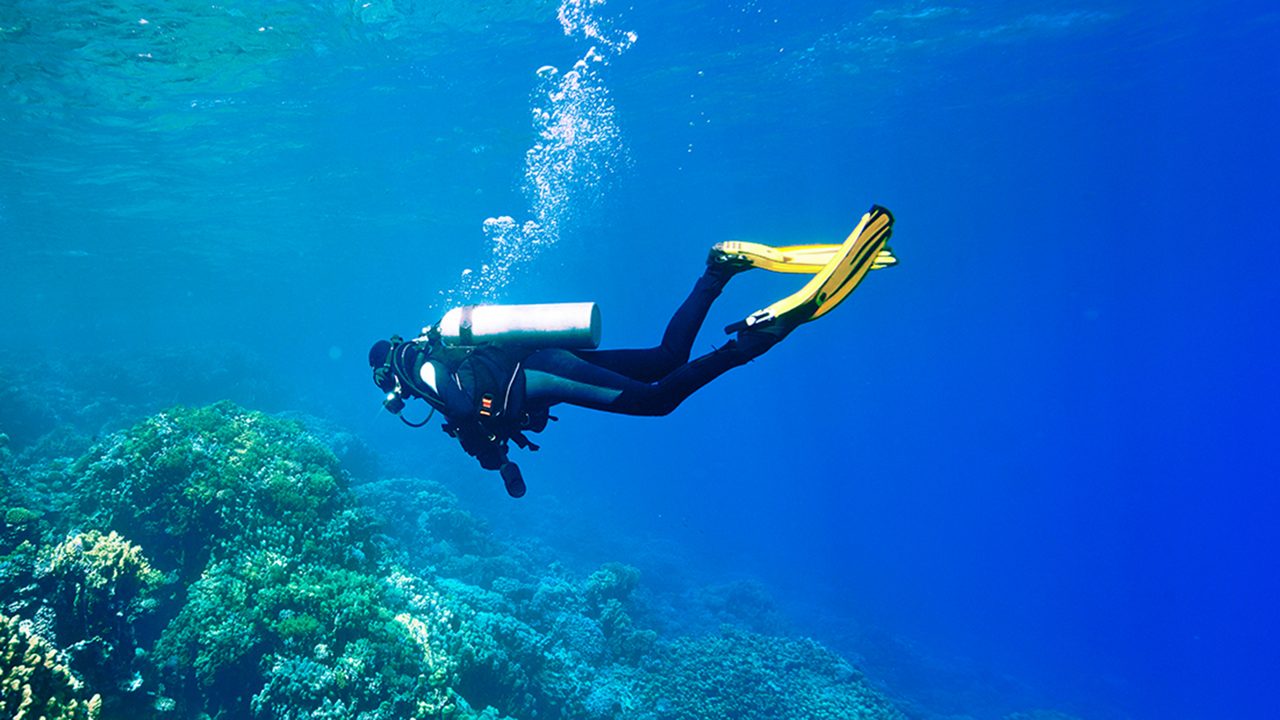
577	146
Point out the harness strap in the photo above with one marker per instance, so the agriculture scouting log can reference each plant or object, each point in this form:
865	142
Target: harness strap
411	380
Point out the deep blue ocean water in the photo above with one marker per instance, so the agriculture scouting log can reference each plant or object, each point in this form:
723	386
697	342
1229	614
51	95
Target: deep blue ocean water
1036	460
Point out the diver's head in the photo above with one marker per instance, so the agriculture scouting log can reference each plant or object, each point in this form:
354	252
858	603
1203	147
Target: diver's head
382	361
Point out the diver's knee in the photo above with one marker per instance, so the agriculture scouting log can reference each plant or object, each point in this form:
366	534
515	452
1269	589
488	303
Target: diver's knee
670	360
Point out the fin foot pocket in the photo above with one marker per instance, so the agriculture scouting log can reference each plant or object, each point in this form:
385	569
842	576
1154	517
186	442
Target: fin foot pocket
727	260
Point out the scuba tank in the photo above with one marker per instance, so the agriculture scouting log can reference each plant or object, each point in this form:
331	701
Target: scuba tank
572	326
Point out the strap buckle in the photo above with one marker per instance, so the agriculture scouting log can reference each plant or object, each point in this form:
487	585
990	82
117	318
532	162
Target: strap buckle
758	317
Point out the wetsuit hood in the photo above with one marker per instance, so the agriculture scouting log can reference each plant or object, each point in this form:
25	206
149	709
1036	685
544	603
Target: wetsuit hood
380	363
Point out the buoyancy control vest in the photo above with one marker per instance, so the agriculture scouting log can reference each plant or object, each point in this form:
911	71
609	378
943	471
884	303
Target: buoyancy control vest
492	382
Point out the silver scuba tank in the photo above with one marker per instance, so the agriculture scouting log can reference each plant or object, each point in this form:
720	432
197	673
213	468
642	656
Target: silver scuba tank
573	326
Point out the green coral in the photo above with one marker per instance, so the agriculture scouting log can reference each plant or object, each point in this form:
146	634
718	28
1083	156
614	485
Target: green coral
21	527
254	513
265	610
21	516
34	683
193	482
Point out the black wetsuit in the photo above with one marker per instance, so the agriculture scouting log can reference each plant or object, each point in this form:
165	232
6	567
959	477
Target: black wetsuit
652	381
520	388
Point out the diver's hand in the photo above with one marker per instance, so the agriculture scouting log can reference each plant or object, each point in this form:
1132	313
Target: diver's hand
383	378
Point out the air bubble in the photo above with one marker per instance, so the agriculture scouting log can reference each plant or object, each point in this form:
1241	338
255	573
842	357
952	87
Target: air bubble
577	144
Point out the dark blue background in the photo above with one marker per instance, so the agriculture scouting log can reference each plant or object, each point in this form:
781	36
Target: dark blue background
1042	447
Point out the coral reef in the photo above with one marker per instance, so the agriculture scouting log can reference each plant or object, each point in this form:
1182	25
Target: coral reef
34	682
218	562
101	573
98	586
742	674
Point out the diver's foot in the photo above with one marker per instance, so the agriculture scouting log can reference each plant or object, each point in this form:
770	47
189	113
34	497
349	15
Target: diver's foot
756	339
724	261
513	479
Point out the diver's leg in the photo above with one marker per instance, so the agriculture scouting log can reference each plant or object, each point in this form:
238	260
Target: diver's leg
651	364
556	376
662	397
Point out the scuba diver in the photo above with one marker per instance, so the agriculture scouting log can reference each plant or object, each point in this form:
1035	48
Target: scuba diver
495	371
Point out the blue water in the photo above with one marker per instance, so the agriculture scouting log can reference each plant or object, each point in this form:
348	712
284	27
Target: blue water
1036	460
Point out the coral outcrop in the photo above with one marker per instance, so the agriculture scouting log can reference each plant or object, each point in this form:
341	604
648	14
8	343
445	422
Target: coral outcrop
217	561
34	682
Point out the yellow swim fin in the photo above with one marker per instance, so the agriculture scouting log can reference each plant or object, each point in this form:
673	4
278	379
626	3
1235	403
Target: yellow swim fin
847	264
884	259
797	259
